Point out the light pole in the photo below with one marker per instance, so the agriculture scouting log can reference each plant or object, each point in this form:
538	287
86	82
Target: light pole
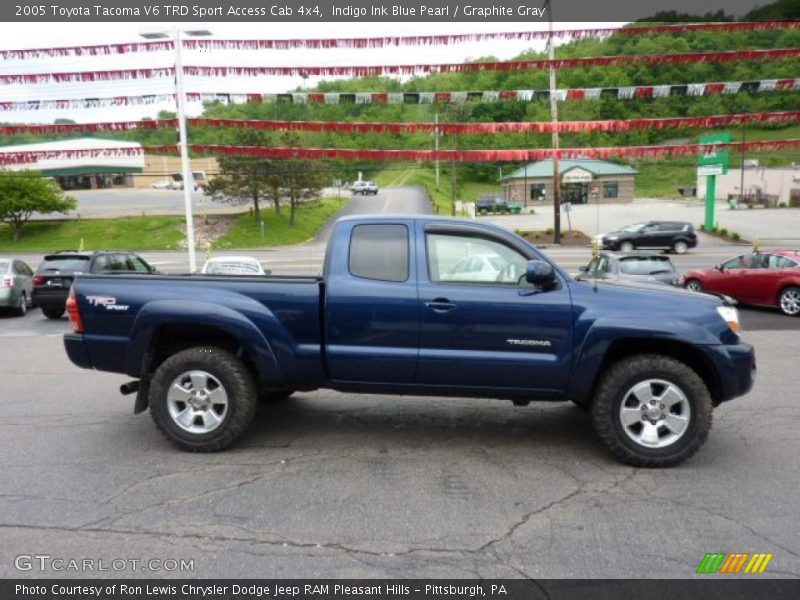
186	173
554	115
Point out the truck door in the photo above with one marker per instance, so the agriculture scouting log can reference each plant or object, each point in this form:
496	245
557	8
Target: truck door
371	315
497	331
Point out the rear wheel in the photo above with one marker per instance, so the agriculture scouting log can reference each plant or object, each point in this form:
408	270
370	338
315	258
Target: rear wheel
652	411
790	301
680	247
627	247
53	312
22	305
694	285
202	399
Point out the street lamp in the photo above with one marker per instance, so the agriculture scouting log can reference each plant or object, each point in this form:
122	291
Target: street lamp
188	181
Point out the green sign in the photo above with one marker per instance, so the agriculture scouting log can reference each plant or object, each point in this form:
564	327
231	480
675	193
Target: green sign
715	158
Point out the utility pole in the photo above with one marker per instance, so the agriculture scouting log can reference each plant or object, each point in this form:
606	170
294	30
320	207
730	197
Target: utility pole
554	116
741	179
436	145
453	181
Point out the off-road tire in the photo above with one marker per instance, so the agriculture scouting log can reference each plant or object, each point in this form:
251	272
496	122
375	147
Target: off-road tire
53	313
620	378
232	374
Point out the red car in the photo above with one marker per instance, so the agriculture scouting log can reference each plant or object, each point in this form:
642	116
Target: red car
768	278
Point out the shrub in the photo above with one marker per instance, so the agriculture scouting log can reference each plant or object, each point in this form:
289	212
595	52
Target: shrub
549	231
537	236
735	236
723	232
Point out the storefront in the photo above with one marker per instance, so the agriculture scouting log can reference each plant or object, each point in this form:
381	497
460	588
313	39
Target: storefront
582	182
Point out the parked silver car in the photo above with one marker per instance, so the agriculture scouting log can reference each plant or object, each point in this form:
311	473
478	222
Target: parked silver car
16	285
644	267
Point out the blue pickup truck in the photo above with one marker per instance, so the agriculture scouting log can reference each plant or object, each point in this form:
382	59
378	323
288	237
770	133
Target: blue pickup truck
422	306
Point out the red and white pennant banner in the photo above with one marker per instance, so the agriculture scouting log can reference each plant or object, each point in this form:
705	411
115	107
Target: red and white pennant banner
86	76
629	152
381	42
514	65
376	70
705	122
460	97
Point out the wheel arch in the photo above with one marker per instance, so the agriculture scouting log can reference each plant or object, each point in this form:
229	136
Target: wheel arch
599	359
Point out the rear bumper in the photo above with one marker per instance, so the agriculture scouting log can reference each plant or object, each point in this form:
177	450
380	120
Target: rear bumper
736	367
76	350
50	298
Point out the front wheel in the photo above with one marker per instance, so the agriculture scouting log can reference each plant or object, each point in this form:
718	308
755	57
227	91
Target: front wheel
627	247
203	399
790	301
652	411
694	285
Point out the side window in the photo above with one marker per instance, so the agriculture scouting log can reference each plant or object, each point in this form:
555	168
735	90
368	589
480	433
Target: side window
379	252
110	263
740	262
784	262
537	191
137	264
468	259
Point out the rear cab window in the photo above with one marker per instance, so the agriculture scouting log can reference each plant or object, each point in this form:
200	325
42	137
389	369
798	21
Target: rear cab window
380	252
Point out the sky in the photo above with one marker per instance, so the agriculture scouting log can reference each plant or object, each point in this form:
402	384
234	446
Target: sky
37	35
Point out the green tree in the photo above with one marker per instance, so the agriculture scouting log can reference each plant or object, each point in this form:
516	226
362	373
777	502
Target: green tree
302	179
23	193
247	178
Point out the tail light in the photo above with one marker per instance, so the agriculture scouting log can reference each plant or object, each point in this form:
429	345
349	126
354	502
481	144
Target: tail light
74	313
8	282
38	280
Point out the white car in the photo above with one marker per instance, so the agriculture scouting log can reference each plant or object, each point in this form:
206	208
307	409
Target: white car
364	187
162	185
484	268
233	265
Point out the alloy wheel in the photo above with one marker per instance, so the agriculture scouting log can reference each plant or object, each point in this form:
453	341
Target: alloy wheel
655	413
197	402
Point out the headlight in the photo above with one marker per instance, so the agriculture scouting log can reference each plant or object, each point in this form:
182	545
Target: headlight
611	237
731	316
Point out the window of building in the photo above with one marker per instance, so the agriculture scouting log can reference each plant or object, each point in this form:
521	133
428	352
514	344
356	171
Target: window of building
537	191
610	189
379	252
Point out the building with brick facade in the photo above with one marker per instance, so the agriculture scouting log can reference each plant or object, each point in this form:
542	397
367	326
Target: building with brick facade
582	181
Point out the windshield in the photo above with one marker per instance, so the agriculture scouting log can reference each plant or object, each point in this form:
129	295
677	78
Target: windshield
646	265
64	263
634	228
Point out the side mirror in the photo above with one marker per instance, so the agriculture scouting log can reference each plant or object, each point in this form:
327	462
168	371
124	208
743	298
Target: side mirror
584	269
718	267
539	272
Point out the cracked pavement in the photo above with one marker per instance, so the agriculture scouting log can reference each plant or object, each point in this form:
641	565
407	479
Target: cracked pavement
339	485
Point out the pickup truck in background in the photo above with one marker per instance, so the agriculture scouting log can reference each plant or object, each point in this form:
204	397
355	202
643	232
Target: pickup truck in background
398	310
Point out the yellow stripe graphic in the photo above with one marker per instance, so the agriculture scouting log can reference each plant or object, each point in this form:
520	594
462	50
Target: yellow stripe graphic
758	563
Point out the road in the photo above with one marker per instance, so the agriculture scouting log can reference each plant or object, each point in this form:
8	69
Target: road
342	485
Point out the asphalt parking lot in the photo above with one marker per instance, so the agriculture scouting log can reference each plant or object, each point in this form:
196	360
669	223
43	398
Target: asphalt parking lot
330	484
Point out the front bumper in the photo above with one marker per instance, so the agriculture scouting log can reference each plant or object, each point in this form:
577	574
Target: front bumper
736	368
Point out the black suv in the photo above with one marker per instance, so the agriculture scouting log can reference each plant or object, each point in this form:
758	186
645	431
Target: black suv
676	236
54	277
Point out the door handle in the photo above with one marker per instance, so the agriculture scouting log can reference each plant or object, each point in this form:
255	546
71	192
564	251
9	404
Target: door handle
440	305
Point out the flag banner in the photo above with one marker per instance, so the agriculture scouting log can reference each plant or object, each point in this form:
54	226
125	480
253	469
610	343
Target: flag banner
86	76
512	65
385	41
517	155
460	97
611	125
